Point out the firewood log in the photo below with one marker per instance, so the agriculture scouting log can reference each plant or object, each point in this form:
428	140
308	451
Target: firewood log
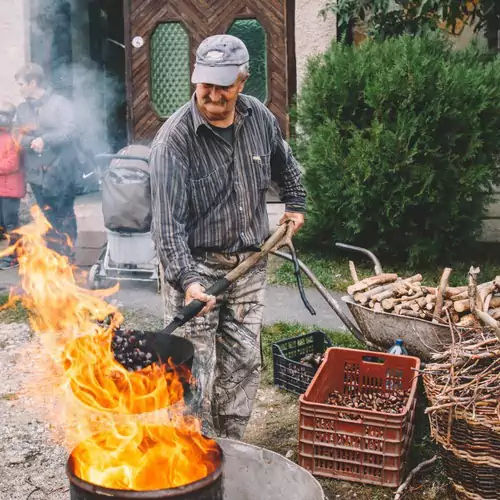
390	293
401	289
415	307
488	320
449	292
464	295
354	273
384	295
430	299
403	306
467	321
364	297
440	292
377	307
484	292
473	292
389	303
486	302
379	279
422	302
461	305
448	305
464	304
494	313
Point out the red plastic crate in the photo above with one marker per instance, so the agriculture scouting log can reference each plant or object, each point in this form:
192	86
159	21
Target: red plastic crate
373	448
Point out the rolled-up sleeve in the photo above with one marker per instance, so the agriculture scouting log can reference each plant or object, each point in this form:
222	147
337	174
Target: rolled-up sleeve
285	171
169	192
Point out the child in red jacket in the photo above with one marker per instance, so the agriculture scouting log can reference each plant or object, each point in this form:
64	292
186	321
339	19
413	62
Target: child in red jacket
12	184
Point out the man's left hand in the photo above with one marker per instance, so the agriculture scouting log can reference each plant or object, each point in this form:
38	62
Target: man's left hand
37	145
297	219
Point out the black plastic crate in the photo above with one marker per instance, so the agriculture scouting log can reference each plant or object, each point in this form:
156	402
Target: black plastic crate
289	374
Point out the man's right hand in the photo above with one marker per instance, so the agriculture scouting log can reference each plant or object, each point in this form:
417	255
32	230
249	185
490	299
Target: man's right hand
197	292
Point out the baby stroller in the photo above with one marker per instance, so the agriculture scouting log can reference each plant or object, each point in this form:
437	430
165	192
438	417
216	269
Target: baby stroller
126	206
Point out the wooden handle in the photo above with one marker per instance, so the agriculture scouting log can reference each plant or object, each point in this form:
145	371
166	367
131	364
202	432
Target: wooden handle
277	239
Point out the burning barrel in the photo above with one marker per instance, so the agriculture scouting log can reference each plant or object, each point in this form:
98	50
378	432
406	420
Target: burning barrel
207	488
146	444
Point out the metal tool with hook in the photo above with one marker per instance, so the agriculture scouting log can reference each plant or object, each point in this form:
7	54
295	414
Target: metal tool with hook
371	255
292	257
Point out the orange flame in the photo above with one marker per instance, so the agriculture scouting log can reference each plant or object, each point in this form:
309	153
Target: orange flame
131	429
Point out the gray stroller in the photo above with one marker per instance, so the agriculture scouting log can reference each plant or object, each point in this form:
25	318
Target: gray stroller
129	254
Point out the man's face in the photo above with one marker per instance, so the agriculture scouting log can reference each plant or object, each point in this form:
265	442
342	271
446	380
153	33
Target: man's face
217	103
27	89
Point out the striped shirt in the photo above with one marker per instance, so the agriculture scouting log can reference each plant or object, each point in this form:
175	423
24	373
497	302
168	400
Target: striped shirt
211	195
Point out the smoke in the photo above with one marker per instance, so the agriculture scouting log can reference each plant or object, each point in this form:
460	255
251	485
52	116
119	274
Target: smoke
69	40
96	96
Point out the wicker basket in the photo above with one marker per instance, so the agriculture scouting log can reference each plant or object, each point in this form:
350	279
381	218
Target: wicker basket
469	447
471	480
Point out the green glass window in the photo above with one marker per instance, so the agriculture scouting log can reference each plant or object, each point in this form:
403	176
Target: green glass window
254	36
170	72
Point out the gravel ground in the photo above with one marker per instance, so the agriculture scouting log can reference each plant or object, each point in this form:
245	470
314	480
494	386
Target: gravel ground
31	465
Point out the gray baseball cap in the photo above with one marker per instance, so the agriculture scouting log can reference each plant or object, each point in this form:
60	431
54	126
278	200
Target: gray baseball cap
218	59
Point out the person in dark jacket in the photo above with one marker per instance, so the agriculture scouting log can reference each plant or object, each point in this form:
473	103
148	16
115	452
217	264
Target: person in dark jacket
12	185
47	127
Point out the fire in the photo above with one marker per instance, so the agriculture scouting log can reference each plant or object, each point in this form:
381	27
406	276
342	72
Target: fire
131	429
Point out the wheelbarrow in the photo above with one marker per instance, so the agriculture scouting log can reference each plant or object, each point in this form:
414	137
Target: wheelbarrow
422	338
380	330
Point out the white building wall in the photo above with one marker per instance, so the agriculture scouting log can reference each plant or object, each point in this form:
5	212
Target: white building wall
14	45
313	34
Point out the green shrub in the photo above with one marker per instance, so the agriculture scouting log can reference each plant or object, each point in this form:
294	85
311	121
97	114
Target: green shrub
399	141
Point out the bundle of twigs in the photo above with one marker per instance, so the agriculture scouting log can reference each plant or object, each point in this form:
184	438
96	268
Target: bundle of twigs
466	377
463	388
390	293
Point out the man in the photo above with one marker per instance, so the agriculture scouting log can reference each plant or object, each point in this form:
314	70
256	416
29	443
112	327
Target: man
46	124
211	165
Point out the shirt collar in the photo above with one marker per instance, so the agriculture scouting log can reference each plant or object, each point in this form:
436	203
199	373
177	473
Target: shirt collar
243	109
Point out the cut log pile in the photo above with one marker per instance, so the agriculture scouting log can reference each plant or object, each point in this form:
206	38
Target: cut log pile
467	306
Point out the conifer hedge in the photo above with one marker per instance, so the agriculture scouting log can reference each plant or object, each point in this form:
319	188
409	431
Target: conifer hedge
400	140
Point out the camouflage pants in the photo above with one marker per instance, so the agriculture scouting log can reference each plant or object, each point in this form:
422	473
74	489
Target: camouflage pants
226	365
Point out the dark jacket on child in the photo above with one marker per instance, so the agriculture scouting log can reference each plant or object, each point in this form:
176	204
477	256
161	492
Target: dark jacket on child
51	118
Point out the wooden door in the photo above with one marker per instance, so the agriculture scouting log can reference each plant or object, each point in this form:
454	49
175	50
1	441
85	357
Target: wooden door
161	40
